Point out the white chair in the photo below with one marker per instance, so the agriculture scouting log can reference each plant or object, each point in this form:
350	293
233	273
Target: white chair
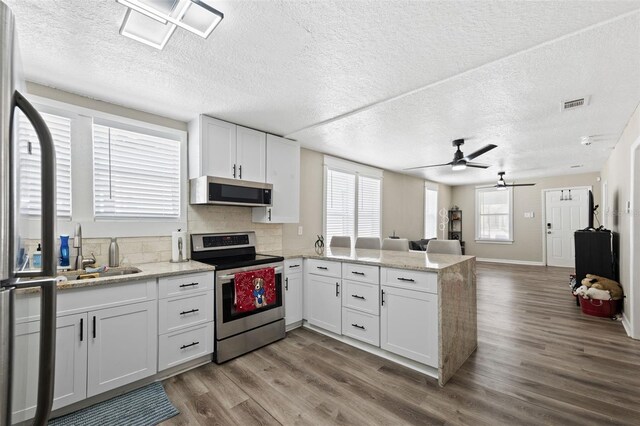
340	241
368	243
395	244
444	247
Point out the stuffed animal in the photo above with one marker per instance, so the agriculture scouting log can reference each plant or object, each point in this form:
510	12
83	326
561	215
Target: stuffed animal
597	294
601	283
581	291
259	293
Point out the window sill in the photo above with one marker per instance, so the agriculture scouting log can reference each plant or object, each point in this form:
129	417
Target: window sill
494	242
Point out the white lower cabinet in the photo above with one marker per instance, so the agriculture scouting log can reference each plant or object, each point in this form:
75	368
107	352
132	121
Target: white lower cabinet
409	324
185	345
293	295
323	304
70	369
361	326
185	318
122	346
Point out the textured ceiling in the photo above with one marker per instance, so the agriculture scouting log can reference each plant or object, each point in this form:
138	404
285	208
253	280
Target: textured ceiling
386	83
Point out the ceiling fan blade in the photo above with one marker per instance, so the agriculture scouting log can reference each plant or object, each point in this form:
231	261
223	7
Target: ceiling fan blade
431	165
520	184
480	152
478	165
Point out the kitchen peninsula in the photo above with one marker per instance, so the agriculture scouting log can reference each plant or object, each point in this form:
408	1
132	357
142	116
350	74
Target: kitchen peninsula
414	308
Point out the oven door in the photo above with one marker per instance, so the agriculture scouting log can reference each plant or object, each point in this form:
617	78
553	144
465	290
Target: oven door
229	322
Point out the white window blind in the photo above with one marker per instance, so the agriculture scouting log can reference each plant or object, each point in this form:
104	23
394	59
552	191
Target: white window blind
430	213
494	214
340	204
136	175
30	163
368	206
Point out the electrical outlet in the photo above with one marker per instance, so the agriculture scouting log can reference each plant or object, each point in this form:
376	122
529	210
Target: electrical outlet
299	230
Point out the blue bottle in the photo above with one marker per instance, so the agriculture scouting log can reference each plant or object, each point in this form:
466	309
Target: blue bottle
64	250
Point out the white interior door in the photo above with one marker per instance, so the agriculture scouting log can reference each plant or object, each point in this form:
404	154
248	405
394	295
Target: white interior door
566	212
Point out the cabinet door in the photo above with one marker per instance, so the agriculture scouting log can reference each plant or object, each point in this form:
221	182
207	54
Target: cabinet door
293	298
218	144
323	305
251	154
283	171
71	365
122	346
409	324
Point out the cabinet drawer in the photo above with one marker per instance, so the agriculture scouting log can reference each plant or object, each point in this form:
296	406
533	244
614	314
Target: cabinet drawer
324	267
361	296
364	273
361	326
413	280
184	284
177	313
292	266
176	348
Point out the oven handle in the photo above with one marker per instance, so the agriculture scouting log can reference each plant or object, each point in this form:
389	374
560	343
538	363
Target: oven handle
278	270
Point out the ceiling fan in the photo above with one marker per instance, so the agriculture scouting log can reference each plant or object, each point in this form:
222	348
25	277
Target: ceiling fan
504	185
461	161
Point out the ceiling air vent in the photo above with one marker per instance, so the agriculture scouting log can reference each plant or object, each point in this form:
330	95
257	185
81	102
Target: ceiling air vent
575	103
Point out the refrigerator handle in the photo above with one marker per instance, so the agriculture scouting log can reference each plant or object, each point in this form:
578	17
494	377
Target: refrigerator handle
48	186
48	288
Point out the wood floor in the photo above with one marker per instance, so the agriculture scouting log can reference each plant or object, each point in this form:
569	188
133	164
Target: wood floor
539	361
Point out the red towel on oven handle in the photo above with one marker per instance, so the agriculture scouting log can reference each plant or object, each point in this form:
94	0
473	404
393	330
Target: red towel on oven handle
254	289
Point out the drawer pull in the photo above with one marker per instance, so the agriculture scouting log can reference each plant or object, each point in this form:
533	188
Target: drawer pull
357	273
81	329
361	327
294	266
324	268
188	285
358	297
189	345
409	280
382	297
189	312
337	289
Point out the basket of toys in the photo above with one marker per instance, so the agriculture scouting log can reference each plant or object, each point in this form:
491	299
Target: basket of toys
599	296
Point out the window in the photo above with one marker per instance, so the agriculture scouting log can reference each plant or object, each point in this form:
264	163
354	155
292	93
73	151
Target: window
494	215
430	212
29	163
129	177
352	200
135	175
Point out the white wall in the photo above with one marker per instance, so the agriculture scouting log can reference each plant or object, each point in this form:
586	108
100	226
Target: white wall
617	174
527	233
402	203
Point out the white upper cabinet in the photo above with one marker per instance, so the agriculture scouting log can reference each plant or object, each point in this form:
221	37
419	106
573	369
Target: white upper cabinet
250	154
223	149
283	171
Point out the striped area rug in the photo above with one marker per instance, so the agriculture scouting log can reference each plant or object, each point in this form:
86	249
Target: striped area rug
146	406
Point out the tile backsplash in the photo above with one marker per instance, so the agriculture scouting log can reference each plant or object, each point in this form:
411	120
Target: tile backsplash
135	250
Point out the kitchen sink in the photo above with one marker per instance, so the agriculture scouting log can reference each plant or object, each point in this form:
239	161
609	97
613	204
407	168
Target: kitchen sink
111	272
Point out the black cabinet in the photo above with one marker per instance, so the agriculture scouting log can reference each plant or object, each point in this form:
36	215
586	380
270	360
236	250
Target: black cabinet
596	253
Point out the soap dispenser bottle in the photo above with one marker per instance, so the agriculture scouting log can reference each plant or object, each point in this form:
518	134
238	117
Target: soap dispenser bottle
36	260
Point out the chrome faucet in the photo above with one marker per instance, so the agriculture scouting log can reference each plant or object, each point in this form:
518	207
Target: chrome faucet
81	262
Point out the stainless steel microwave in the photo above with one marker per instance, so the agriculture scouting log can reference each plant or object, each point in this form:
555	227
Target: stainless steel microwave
234	192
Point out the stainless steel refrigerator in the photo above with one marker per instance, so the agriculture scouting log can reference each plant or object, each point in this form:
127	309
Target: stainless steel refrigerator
14	271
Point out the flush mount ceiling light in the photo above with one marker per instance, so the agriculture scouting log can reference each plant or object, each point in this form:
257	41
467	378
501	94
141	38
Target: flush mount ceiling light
153	21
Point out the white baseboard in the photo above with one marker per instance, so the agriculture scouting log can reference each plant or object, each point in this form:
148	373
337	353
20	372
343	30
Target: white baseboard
627	325
511	261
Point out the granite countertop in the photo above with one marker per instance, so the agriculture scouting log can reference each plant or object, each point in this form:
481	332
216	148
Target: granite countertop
419	261
147	270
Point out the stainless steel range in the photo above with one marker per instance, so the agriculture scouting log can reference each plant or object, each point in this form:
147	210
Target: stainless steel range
238	332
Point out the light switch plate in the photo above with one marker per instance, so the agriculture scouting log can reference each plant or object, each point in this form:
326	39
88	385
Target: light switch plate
299	230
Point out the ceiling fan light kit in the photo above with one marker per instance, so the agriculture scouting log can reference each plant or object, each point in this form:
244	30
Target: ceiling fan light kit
461	161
